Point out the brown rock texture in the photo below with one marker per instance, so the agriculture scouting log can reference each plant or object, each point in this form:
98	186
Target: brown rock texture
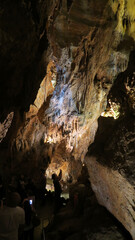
86	55
111	166
114	192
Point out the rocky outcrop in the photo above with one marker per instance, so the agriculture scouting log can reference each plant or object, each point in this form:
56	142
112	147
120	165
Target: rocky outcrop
114	192
110	163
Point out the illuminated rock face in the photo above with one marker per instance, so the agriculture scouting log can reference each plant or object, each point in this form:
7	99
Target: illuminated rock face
84	48
110	162
114	192
89	52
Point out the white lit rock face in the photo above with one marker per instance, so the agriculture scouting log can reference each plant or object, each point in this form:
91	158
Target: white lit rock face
5	125
88	54
85	73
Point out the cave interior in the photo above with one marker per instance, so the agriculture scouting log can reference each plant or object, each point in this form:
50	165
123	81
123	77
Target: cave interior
67	100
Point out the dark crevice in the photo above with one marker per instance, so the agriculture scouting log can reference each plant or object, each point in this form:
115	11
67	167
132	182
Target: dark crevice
43	43
93	34
69	4
35	14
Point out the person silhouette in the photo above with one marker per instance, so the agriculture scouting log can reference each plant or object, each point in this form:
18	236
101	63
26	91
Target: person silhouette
57	189
28	227
12	217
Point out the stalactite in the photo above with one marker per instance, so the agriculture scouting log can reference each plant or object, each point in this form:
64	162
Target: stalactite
73	125
76	142
76	124
70	101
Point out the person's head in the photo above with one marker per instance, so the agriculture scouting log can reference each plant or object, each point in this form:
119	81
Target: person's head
54	176
26	205
28	211
13	199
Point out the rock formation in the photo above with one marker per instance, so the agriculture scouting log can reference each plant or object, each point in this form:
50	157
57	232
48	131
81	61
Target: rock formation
67	89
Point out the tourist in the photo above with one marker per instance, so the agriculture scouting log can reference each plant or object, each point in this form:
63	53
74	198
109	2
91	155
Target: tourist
28	227
57	189
12	217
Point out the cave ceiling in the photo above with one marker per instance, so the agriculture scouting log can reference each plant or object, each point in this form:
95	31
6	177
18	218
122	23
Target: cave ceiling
58	64
67	86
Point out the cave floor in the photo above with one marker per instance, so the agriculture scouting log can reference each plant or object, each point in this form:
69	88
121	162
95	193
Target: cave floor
93	223
44	211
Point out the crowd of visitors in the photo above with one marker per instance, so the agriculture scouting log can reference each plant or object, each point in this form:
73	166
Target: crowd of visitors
26	186
17	204
19	194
